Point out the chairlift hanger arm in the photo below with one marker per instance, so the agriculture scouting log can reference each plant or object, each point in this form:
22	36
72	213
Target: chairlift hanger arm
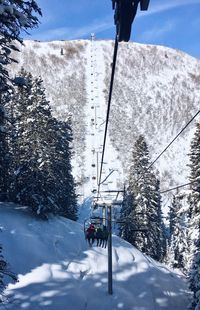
125	12
117	196
108	176
144	5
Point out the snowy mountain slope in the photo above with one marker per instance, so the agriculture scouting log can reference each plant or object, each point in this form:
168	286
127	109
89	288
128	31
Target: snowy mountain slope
62	67
156	92
57	270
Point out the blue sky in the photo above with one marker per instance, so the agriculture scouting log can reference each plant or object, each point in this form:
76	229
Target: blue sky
173	23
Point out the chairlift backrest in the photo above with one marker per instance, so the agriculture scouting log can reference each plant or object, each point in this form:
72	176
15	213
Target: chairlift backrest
96	220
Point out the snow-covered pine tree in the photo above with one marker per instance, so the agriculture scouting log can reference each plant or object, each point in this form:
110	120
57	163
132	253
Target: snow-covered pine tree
172	223
194	213
3	147
157	218
144	185
195	277
29	114
178	234
41	170
62	192
127	218
15	16
172	218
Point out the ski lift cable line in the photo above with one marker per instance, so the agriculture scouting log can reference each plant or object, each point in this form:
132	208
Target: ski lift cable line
108	110
165	149
174	139
177	187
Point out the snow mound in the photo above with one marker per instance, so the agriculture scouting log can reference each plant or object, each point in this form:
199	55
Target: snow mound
57	270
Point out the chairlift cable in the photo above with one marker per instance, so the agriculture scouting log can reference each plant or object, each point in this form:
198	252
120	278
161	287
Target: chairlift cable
177	187
165	149
123	31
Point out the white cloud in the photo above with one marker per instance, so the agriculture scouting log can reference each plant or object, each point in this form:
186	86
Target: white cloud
97	27
155	33
167	5
70	33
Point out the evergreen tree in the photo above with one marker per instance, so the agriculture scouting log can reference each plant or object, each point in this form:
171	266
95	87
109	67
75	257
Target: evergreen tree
194	213
62	191
40	174
30	115
195	277
127	218
3	151
157	223
148	202
172	219
146	210
15	16
178	234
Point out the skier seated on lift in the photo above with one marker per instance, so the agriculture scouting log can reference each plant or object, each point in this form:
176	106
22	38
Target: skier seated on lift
99	236
90	234
104	237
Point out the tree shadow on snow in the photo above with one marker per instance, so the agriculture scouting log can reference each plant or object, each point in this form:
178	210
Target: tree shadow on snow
133	290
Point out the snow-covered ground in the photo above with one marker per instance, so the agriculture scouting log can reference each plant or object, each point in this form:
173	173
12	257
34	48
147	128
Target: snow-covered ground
58	271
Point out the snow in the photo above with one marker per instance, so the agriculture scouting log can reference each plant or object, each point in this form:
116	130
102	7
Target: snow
57	270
